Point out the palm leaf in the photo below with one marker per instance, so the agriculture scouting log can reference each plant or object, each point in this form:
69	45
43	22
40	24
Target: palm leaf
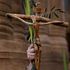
65	61
56	15
60	10
31	33
27	7
52	8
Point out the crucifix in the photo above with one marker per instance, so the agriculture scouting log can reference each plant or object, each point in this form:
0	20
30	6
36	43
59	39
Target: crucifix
36	21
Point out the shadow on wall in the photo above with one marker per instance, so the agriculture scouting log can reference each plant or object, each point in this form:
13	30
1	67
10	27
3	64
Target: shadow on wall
68	41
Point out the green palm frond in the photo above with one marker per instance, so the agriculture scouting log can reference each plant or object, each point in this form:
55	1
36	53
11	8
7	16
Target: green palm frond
53	11
52	8
65	61
27	7
59	10
56	15
27	12
31	34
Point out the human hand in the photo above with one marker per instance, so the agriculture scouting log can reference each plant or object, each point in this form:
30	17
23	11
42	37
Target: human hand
31	51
